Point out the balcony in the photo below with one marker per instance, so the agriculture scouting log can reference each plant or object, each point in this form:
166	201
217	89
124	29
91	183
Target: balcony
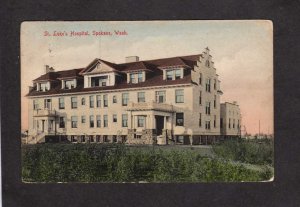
145	106
44	112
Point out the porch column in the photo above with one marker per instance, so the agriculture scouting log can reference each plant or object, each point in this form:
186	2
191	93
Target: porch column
165	122
154	122
130	120
149	122
62	84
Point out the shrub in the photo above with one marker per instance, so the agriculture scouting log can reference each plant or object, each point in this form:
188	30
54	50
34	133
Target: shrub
250	151
118	163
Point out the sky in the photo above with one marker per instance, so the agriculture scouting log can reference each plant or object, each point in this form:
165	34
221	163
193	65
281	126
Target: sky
241	50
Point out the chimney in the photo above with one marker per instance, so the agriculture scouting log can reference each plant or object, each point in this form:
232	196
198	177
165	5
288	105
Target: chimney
131	59
48	69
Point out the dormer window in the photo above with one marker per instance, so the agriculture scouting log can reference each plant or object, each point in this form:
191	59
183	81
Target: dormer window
44	86
99	81
177	74
140	77
136	77
173	74
169	74
69	84
132	78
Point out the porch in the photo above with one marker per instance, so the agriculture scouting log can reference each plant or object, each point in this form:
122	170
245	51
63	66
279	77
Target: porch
150	123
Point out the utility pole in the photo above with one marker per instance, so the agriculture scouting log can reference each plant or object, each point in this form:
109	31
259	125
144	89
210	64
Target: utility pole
259	128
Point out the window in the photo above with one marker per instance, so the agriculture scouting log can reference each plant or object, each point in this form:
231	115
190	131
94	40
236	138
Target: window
200	97
179	119
233	124
141	121
105	138
44	86
207	108
173	74
97	138
47	103
115	119
114	99
160	96
229	124
177	74
82	137
238	124
141	97
105	101
98	101
83	119
74	121
114	139
61	103
215	101
215	120
69	84
98	119
61	122
207	125
125	99
207	85
91	101
179	97
83	101
207	63
74	102
200	120
124	120
35	104
140	77
200	79
169	74
73	138
180	138
91	121
215	84
99	81
105	121
132	78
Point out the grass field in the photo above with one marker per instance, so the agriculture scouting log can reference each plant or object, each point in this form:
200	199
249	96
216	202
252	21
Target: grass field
120	163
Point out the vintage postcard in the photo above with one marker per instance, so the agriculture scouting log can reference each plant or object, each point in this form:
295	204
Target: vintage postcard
147	101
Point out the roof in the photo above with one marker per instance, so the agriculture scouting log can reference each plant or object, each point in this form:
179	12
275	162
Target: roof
59	75
155	77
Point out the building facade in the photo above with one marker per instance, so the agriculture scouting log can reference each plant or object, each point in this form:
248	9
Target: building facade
164	101
230	122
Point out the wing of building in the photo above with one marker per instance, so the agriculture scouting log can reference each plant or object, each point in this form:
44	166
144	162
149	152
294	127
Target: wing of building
164	101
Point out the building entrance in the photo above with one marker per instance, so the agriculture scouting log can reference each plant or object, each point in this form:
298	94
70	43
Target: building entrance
159	124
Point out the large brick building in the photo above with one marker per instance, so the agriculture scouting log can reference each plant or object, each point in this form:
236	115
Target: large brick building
162	101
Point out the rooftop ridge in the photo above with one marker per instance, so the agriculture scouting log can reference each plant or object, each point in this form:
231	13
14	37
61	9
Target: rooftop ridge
149	60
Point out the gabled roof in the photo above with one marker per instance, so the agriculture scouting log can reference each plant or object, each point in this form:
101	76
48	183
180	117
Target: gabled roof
95	62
